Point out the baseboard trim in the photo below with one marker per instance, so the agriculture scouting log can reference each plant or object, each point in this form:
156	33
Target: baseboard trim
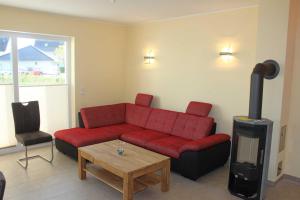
291	178
284	177
272	183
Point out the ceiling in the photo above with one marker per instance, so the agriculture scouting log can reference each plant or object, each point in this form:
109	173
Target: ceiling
130	11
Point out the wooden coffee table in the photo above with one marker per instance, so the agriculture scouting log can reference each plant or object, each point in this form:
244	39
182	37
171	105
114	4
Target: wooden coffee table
132	172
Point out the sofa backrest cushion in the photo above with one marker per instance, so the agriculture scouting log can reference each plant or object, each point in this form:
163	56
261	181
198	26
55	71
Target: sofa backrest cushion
199	108
192	127
94	117
161	120
137	115
143	99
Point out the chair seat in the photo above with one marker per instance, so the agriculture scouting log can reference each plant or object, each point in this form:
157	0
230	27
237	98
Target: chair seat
33	138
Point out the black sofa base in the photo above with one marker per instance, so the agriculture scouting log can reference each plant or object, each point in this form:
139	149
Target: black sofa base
67	149
194	164
191	164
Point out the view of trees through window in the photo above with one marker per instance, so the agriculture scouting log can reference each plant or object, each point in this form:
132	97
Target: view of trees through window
40	62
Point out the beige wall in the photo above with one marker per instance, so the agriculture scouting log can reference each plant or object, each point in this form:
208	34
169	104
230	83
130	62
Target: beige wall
99	55
293	136
188	66
290	56
272	38
109	64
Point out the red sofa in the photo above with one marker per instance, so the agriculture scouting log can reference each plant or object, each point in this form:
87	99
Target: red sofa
188	138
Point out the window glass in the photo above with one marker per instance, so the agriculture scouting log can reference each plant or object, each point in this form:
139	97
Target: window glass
41	62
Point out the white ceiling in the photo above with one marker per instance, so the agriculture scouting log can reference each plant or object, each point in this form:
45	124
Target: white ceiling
130	11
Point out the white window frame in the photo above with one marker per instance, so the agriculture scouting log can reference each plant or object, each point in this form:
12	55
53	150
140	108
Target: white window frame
13	35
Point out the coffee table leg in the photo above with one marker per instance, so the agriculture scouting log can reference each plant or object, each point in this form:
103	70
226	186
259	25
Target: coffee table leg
165	177
81	167
128	188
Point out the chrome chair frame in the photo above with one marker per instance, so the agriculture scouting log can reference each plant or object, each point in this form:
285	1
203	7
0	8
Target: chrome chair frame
27	158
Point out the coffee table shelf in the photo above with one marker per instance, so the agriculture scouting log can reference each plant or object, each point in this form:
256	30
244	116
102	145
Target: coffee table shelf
112	180
149	179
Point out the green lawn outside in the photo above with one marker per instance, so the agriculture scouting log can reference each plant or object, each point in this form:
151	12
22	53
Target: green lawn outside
29	79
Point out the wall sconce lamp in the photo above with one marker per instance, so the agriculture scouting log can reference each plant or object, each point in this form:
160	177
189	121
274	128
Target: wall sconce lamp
149	58
226	53
223	53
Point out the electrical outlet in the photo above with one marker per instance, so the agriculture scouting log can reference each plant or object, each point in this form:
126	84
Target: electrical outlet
82	91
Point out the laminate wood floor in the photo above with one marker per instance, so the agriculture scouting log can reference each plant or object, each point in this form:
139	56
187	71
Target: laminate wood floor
43	181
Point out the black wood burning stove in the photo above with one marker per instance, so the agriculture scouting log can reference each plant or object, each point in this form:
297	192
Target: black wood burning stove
251	141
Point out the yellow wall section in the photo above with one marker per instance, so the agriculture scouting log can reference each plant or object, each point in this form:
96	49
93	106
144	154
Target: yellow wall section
99	50
272	44
293	136
109	63
188	66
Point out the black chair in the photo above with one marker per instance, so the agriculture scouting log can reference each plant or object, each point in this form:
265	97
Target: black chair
2	185
27	129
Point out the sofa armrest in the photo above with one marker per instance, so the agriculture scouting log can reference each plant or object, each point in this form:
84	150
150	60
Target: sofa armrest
205	143
94	117
194	164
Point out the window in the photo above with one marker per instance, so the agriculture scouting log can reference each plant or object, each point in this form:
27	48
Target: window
34	67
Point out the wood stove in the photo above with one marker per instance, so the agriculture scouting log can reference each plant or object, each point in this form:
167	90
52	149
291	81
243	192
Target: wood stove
251	142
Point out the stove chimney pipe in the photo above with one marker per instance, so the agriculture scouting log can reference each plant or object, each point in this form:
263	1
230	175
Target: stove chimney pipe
266	70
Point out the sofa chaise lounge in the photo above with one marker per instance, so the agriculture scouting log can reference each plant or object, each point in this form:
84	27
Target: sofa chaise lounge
188	138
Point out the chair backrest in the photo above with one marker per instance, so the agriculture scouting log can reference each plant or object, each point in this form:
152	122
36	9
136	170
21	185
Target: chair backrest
2	185
26	117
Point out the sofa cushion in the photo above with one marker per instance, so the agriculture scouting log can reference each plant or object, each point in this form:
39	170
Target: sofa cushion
192	127
141	137
161	120
169	146
137	115
143	99
122	128
79	137
94	117
199	108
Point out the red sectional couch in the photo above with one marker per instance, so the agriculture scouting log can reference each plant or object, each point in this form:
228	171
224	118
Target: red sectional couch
188	138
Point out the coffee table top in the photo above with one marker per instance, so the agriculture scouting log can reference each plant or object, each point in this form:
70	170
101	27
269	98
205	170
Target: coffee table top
135	158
